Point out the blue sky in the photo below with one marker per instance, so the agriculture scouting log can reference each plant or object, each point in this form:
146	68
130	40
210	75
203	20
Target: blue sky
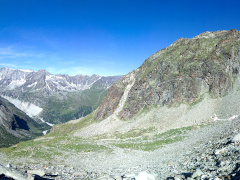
106	37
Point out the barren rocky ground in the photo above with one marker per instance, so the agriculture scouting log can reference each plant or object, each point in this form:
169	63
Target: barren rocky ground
209	151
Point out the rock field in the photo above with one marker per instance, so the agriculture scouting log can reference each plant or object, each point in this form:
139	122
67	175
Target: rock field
208	152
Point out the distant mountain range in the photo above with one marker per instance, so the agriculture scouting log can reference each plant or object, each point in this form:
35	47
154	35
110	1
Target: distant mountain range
53	98
32	81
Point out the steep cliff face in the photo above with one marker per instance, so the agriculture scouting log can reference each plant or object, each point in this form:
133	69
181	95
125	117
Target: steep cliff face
180	73
111	101
15	125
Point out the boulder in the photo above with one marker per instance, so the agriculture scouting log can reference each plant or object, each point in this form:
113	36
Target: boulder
11	173
198	173
144	176
236	138
38	172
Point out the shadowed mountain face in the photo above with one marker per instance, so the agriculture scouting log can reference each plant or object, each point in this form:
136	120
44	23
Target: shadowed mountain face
180	73
53	98
15	125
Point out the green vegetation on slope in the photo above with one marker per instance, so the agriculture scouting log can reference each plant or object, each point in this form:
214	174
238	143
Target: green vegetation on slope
7	139
147	143
72	106
69	128
51	147
182	72
56	146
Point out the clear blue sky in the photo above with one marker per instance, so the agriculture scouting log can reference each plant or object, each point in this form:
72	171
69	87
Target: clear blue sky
106	37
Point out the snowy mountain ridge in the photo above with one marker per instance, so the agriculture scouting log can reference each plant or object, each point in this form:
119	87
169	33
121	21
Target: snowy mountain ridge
11	79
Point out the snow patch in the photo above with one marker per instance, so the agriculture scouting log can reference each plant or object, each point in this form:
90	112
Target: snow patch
49	124
52	77
16	83
29	108
33	84
45	132
46	122
63	84
215	118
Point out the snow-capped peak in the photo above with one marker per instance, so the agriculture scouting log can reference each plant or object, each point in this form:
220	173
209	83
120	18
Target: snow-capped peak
26	80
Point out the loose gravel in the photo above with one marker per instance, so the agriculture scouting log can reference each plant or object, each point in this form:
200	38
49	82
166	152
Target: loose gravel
209	152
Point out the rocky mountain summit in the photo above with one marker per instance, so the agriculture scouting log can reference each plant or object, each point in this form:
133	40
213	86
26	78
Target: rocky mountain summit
53	98
180	73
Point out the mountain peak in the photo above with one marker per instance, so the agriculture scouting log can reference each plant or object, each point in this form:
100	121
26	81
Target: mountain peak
180	73
213	34
43	71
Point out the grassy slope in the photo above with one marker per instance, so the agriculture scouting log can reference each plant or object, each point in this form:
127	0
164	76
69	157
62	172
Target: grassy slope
67	106
61	144
72	106
6	138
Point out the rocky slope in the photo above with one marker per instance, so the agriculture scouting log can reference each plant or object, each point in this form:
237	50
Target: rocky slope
210	151
15	125
180	73
188	83
53	98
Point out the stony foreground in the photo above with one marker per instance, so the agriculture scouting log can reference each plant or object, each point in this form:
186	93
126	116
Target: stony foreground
219	160
209	152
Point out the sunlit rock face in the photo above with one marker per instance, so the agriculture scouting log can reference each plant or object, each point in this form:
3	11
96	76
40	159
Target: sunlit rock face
180	73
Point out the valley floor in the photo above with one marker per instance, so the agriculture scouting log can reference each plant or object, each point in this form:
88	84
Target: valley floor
209	151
